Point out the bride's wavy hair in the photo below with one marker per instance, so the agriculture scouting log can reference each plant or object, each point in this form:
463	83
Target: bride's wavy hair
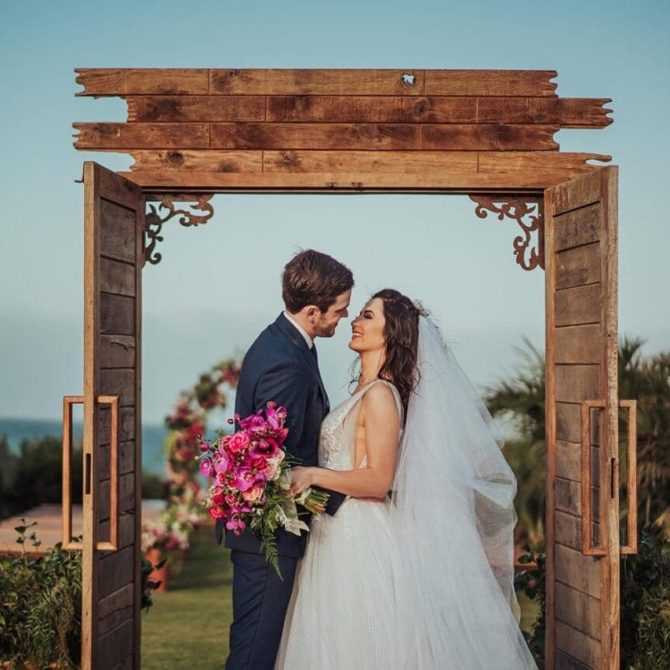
402	341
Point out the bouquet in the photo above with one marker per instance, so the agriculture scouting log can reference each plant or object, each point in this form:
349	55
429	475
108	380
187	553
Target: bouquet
251	484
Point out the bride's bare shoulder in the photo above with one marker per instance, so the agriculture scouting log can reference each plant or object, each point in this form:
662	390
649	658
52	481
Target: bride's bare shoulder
380	401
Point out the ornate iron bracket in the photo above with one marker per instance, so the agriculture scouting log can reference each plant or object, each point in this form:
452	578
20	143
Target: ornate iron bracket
527	256
153	220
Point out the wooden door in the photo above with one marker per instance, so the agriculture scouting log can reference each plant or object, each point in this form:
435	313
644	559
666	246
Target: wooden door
582	422
113	223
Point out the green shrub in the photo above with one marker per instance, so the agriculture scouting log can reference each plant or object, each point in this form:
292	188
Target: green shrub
154	487
40	606
645	604
532	581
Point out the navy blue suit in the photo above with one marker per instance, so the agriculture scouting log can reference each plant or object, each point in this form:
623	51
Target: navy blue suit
279	367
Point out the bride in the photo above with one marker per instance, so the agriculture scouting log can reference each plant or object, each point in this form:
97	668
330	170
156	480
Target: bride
423	578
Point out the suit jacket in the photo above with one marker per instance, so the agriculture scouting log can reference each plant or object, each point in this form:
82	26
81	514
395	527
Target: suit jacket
280	367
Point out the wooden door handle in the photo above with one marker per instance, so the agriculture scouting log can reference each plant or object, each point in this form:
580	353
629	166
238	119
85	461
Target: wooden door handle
587	548
68	542
631	493
631	498
66	512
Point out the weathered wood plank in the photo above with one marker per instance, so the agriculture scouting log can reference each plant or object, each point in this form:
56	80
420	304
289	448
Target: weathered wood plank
116	608
579	344
115	571
219	160
578	305
569	496
329	182
568	423
579	571
117	351
407	162
115	649
568	530
565	112
117	231
111	136
575	383
121	382
378	162
117	277
139	81
581	647
565	163
126	424
578	192
117	314
565	662
577	227
120	191
491	82
578	610
126	496
195	108
488	137
569	461
388	137
578	266
315	82
126	459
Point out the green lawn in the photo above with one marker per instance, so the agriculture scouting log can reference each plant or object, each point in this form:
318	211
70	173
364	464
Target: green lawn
188	625
187	628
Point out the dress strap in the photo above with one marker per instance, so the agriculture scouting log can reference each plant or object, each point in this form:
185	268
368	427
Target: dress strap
394	391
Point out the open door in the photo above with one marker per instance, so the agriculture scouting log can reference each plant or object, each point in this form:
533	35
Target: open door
583	545
111	560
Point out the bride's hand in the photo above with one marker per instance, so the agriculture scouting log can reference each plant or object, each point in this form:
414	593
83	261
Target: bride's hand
301	479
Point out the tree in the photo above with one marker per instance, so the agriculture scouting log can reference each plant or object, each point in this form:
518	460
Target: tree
521	400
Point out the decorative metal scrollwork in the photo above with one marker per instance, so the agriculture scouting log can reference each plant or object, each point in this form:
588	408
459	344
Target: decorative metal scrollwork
527	256
154	220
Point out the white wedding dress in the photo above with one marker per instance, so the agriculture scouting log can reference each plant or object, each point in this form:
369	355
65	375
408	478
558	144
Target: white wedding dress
346	608
423	581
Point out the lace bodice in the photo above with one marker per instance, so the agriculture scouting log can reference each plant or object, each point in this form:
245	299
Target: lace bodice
336	445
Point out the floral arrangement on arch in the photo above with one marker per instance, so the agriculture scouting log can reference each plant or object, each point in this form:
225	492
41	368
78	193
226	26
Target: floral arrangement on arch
187	423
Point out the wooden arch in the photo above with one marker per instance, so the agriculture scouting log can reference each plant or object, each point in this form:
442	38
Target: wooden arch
485	133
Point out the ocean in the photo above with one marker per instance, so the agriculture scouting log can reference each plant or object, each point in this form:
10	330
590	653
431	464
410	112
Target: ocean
153	435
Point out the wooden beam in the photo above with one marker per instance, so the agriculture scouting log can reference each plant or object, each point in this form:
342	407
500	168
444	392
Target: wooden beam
491	82
142	81
316	82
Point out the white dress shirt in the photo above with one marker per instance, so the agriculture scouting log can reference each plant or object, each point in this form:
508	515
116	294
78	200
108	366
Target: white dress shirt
301	330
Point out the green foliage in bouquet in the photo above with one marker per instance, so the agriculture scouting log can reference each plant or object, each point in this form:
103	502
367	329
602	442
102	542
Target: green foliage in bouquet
645	604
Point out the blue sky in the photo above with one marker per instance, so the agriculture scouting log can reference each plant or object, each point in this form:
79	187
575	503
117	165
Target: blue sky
218	285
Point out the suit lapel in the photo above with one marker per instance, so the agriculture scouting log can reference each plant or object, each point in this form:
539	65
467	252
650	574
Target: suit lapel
294	335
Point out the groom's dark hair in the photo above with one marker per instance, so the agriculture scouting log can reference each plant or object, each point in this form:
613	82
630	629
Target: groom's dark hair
313	278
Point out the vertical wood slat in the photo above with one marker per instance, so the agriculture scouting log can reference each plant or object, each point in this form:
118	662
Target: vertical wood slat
550	431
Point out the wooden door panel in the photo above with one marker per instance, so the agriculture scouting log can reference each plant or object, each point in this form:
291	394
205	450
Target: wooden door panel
580	258
114	220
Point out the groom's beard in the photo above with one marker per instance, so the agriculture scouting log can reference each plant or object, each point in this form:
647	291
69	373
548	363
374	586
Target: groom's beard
326	330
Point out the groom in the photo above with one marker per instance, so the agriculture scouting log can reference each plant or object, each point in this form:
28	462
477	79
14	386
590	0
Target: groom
281	366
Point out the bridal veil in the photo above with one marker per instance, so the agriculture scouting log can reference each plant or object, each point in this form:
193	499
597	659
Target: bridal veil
453	516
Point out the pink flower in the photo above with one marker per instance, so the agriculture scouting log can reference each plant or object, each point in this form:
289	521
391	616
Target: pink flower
206	467
245	479
221	462
237	442
253	494
236	525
